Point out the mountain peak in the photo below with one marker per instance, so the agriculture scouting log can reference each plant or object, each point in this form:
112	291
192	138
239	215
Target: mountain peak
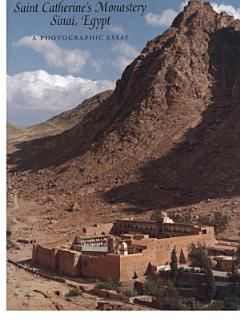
195	3
168	135
198	15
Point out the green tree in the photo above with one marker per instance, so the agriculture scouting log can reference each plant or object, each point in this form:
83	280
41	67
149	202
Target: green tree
154	284
191	304
198	256
220	222
174	265
210	281
151	285
168	298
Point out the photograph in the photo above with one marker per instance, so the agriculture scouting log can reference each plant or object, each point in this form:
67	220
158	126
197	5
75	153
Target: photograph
122	157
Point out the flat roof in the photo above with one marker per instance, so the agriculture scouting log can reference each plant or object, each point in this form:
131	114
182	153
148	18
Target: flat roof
156	222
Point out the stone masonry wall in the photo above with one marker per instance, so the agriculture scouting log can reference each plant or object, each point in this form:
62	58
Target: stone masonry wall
102	267
116	267
68	262
44	257
159	253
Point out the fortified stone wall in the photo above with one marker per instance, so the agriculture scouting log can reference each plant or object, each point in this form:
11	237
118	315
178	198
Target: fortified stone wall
44	257
158	252
132	265
68	262
116	267
64	261
102	267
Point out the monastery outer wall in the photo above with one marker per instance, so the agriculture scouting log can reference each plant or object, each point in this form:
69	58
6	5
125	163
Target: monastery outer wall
57	260
44	257
68	262
116	267
158	252
102	267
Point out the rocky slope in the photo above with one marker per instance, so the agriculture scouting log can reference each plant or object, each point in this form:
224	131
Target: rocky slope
69	119
167	137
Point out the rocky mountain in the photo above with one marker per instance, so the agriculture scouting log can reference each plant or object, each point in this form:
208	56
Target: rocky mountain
13	130
167	137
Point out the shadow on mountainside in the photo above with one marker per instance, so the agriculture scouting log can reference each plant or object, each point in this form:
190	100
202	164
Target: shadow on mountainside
89	134
207	164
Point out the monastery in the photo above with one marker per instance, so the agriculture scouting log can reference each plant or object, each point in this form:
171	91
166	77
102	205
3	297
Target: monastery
123	250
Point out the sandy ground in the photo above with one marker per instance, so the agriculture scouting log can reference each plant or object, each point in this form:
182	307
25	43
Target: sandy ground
29	292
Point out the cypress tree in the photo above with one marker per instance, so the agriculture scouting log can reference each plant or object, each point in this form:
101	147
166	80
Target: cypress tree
210	281
174	265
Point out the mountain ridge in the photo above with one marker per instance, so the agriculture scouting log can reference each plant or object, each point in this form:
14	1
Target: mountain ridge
168	135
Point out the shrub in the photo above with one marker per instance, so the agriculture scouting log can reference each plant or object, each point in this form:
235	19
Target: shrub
131	293
168	298
154	284
109	284
219	221
231	303
191	304
73	292
11	243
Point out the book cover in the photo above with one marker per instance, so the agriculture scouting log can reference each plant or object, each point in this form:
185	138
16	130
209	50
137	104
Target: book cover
123	154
